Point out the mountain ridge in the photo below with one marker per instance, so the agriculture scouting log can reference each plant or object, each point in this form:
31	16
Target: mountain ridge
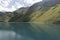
45	11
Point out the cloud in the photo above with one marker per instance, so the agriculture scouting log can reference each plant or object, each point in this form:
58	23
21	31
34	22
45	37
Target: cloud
7	9
14	7
1	8
4	4
18	5
31	1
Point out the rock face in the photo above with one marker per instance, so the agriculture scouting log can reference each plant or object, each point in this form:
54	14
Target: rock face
45	11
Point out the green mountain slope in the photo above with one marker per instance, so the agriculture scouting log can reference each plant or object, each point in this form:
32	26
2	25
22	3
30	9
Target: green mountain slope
52	15
5	16
45	11
18	15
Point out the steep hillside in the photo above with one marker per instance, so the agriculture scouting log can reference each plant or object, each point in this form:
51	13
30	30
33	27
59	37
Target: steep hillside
5	16
52	15
14	16
18	15
46	11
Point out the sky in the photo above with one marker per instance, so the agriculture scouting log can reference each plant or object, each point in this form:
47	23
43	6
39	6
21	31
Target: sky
11	5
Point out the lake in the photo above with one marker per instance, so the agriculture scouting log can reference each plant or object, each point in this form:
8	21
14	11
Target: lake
29	31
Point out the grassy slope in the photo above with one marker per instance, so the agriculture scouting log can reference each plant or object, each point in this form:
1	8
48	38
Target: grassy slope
52	15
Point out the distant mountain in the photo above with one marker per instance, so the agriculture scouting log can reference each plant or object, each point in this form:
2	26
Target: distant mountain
47	11
18	15
5	16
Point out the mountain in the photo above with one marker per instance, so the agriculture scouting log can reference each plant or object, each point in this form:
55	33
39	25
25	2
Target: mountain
18	15
47	11
5	16
52	15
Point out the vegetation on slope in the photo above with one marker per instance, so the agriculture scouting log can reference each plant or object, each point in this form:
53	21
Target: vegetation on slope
45	11
52	15
5	16
18	15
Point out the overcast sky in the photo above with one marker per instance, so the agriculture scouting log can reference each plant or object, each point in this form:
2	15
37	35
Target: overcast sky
11	5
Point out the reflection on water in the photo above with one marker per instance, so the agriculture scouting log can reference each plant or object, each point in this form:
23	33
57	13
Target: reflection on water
6	35
11	35
29	31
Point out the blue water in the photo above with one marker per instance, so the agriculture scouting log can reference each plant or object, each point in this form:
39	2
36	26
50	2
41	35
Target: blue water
29	31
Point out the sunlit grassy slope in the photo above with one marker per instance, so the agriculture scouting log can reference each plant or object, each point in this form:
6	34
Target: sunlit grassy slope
52	15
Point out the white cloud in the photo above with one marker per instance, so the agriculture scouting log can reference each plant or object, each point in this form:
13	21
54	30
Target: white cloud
1	8
7	9
18	5
5	3
14	7
31	1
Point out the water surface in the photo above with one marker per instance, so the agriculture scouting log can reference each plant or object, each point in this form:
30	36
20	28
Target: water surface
29	31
